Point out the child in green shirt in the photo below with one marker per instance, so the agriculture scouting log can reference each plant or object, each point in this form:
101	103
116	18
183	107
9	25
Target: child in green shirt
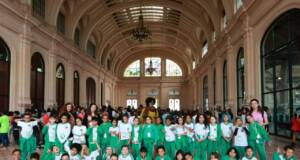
161	154
103	131
93	136
232	154
288	154
136	137
143	155
160	131
149	134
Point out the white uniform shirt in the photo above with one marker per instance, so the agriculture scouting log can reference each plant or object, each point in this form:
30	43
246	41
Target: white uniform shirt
190	133
245	158
241	137
27	128
125	130
136	134
79	134
213	131
201	131
226	129
52	132
114	130
180	131
169	134
92	156
127	157
63	131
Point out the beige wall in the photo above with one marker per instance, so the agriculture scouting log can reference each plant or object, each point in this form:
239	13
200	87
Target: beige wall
25	35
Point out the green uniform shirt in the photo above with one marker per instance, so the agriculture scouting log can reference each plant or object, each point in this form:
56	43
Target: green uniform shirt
162	158
4	124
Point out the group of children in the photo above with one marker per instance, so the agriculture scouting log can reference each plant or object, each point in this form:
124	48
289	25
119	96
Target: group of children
198	137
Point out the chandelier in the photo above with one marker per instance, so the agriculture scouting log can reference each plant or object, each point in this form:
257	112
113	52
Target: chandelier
141	33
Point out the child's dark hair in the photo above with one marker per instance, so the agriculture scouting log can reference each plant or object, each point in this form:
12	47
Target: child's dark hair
288	147
27	114
76	146
114	119
161	147
216	155
95	119
143	150
235	150
114	155
188	154
169	117
125	146
65	154
65	115
16	150
179	152
248	147
35	156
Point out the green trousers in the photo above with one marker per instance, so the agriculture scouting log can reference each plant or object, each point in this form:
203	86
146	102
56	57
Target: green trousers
136	149
181	143
190	146
149	144
170	148
201	150
212	146
47	146
260	148
240	150
225	145
27	147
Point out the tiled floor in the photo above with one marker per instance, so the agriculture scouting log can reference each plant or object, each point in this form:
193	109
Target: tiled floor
276	141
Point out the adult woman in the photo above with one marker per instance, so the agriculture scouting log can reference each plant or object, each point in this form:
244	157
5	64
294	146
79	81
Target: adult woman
149	110
258	113
91	112
68	108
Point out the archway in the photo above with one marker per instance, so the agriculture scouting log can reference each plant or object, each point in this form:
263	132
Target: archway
4	76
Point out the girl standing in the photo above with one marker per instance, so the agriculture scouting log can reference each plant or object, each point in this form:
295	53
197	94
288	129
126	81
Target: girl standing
201	134
226	128
125	130
189	125
160	131
240	133
136	135
104	132
149	134
114	136
169	137
92	133
79	132
231	154
181	135
63	131
49	131
214	136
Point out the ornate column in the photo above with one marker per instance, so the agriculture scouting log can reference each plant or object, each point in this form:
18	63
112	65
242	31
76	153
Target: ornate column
219	81
69	81
23	69
50	81
231	77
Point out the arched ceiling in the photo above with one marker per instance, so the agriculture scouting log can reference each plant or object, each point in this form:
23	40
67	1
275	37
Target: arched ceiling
177	25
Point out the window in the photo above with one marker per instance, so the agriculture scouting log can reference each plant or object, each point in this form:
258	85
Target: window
90	91
238	4
152	67
205	94
108	64
132	103
37	81
204	48
91	49
280	67
60	85
133	70
240	78
77	37
38	8
4	76
76	88
194	64
174	104
172	68
61	23
225	85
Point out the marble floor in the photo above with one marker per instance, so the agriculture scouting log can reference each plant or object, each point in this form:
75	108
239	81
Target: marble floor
5	154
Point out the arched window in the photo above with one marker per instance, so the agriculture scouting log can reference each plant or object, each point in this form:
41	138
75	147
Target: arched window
76	88
38	8
205	94
280	67
172	68
152	67
240	65
133	70
37	81
225	85
90	91
60	85
4	76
